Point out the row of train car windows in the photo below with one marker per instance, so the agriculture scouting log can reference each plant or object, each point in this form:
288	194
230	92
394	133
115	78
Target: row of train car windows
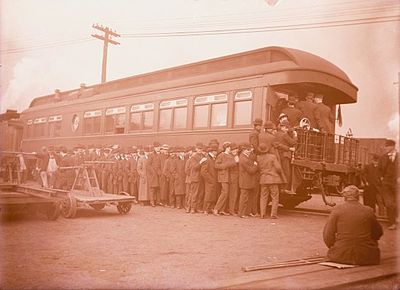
209	111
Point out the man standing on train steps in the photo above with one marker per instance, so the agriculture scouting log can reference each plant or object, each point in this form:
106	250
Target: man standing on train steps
308	109
388	165
294	114
324	116
253	136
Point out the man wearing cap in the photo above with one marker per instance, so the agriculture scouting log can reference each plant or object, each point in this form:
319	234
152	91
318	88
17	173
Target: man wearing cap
209	174
223	163
194	175
247	178
294	115
253	136
352	232
307	107
388	165
324	117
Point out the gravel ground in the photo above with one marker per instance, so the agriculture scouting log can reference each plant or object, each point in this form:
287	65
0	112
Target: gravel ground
153	248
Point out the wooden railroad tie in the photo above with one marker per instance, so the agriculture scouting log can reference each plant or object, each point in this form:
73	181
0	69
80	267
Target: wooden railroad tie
283	264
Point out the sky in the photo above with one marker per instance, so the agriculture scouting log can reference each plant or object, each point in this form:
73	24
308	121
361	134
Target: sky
47	44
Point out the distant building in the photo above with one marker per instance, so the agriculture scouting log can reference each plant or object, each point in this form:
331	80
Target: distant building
369	146
10	131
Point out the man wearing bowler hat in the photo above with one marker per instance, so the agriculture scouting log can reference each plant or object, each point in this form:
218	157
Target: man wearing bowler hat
247	178
270	178
253	136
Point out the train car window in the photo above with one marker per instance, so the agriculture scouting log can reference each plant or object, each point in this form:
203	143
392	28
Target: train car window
91	122
173	112
165	119
115	120
201	116
135	121
216	105
148	120
243	108
141	117
180	118
29	129
54	128
219	114
39	125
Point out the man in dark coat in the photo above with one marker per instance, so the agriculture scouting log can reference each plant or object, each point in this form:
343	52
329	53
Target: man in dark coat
253	136
286	146
372	188
65	177
294	115
307	107
388	165
270	178
193	171
352	232
223	163
153	172
268	137
324	116
247	177
209	174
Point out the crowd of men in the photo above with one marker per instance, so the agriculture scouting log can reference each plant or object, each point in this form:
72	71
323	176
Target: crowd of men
311	112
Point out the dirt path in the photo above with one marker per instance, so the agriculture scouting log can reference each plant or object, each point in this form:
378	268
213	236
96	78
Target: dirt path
153	248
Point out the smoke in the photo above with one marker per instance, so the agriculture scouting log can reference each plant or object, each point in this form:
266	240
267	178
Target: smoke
23	83
393	126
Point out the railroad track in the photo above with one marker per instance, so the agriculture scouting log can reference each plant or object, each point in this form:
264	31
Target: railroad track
322	212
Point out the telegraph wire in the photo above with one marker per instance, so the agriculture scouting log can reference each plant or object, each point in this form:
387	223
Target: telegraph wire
265	28
226	31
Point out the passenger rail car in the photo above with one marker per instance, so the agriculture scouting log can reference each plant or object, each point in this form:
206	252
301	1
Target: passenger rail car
216	98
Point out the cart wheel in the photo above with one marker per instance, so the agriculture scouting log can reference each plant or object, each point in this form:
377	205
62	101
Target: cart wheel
98	206
53	211
125	206
68	207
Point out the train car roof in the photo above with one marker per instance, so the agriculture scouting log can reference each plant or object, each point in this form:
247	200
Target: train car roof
273	59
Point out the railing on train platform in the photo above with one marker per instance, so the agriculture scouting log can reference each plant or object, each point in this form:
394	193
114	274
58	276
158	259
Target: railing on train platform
329	148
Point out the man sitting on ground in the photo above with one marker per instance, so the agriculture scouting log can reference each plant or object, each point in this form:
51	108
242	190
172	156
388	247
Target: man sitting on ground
352	232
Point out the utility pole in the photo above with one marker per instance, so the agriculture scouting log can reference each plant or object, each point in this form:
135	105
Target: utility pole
108	33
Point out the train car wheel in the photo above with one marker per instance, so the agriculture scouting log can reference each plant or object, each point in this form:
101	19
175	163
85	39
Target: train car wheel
69	206
124	207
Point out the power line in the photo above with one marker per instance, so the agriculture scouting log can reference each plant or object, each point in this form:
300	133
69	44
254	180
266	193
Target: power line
325	24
